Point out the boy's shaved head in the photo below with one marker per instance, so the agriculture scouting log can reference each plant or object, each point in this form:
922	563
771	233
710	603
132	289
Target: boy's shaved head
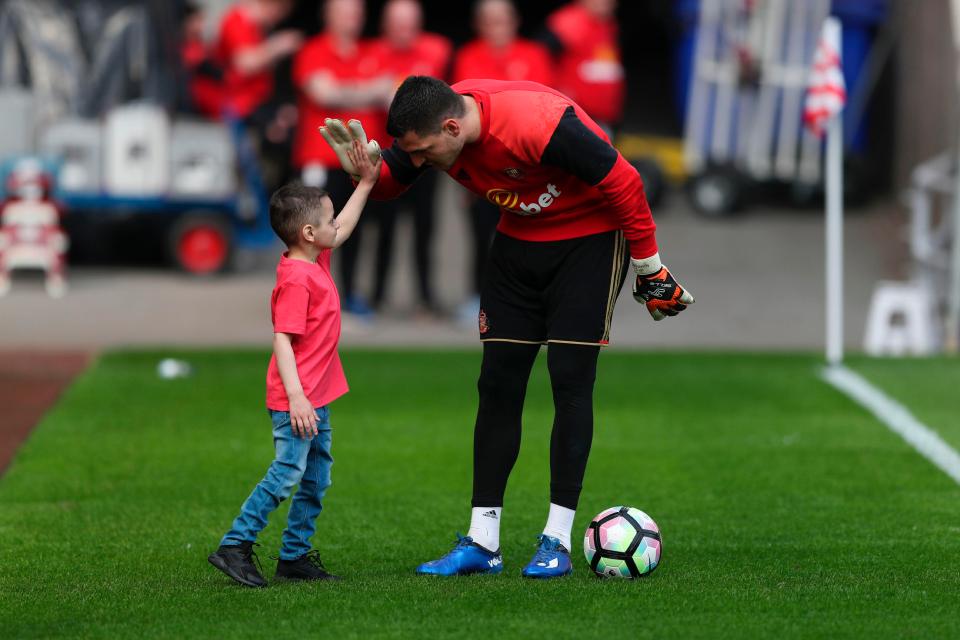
293	206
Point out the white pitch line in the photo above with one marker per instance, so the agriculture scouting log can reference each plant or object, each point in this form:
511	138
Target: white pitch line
897	417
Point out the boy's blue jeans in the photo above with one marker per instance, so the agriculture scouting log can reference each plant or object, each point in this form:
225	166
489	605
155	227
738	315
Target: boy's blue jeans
297	460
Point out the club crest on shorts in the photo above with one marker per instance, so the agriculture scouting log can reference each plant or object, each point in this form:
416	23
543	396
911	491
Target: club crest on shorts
482	322
513	172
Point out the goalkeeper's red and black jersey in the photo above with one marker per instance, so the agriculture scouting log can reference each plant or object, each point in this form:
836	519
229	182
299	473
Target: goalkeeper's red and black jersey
548	166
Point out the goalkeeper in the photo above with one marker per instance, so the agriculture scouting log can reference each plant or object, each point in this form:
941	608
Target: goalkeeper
573	220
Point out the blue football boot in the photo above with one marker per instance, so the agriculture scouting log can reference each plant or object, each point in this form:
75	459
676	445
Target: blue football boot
552	560
466	558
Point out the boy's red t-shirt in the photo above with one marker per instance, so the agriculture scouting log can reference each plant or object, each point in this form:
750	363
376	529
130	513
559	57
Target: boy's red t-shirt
306	305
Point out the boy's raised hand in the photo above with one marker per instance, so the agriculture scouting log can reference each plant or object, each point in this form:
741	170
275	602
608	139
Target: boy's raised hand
340	137
303	419
367	171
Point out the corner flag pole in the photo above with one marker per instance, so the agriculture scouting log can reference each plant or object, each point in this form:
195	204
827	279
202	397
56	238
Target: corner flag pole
823	110
834	231
952	329
952	341
952	333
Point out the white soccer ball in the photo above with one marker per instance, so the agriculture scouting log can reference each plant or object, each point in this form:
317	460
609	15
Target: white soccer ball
622	542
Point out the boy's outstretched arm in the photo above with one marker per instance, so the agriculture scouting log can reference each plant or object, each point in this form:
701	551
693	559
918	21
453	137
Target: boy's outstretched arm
303	419
368	172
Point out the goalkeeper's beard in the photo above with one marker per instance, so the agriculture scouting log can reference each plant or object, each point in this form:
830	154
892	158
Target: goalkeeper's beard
438	163
444	161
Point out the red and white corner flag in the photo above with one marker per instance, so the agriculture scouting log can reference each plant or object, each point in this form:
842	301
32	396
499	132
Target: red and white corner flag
826	92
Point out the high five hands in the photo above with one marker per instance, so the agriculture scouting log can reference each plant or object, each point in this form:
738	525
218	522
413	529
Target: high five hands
340	137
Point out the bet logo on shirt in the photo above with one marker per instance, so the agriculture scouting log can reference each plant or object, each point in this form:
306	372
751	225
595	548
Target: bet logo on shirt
510	200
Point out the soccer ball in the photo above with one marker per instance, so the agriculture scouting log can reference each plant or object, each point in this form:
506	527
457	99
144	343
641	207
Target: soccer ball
622	542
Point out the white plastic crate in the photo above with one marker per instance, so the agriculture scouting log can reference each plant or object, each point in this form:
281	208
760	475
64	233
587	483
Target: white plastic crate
79	145
202	160
137	144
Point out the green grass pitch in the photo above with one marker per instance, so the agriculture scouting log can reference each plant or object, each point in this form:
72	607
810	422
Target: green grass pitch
786	510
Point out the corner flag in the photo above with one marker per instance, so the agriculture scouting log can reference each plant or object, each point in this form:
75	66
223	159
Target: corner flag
826	92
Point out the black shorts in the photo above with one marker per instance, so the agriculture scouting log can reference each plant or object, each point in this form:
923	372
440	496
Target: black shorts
559	291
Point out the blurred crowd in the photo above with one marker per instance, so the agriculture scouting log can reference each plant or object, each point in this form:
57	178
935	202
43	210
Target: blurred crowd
238	75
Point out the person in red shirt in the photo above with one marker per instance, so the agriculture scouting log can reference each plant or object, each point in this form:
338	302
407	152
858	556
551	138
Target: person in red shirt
339	76
499	54
583	36
304	376
408	50
203	93
248	55
573	218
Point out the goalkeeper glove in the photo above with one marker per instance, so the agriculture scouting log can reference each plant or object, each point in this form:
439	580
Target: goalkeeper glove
656	287
340	138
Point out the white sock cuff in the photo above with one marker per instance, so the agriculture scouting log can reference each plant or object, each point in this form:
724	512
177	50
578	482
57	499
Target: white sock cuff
560	524
485	526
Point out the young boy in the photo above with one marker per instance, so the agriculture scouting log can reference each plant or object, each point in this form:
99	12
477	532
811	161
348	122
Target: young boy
304	376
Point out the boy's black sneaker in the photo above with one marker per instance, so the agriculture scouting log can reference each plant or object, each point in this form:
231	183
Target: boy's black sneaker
306	567
237	561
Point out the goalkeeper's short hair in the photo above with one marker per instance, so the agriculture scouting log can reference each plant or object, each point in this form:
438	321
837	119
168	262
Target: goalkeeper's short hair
421	104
